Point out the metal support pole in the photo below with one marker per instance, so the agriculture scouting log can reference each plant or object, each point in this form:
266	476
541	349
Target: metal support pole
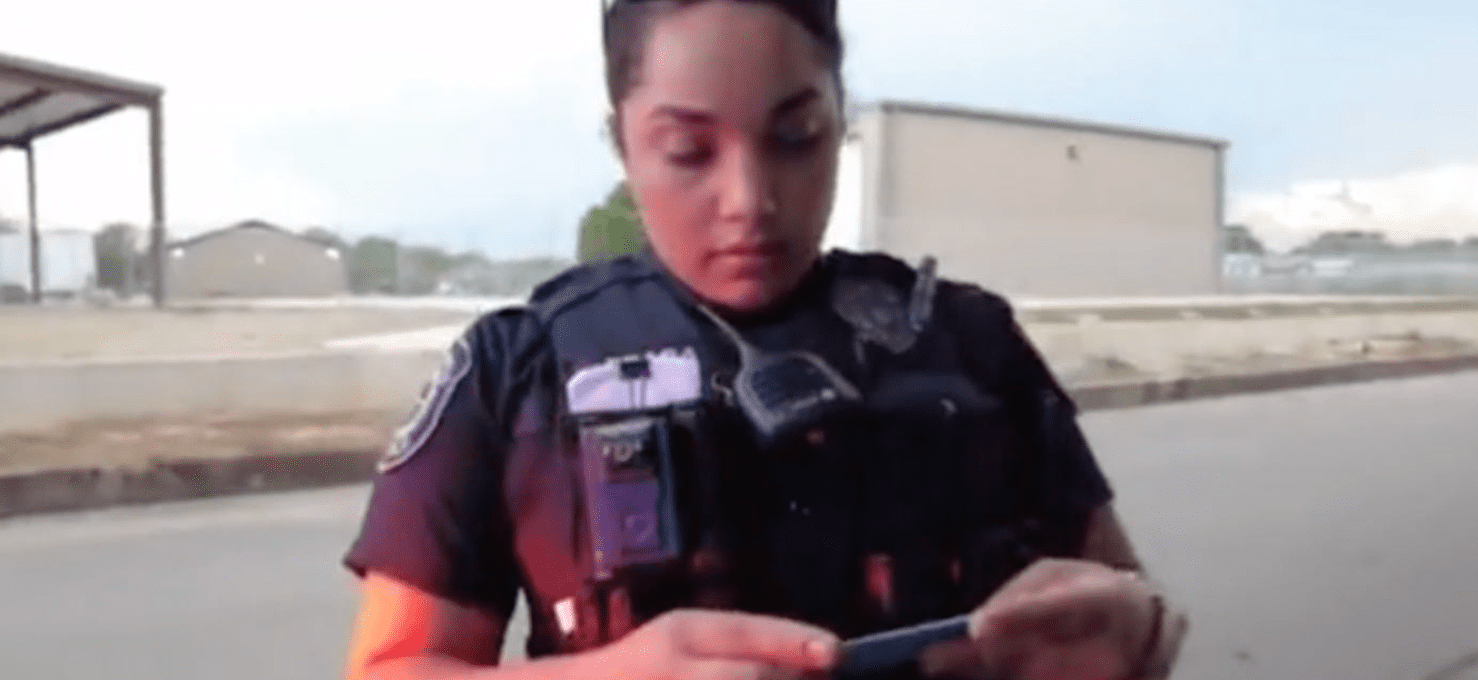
35	226
130	270
156	189
1219	283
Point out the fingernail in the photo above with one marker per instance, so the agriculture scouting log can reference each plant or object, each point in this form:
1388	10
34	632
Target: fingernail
929	662
821	651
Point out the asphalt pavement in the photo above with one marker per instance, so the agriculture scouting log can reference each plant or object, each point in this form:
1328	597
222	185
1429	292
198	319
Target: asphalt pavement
1322	533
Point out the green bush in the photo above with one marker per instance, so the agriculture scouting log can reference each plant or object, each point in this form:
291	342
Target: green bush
610	229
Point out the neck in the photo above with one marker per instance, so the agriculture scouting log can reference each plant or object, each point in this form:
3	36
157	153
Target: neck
812	283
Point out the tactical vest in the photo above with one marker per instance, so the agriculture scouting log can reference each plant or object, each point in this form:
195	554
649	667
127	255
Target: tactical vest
904	511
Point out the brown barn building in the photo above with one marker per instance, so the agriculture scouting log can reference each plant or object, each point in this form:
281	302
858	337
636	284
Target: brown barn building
254	260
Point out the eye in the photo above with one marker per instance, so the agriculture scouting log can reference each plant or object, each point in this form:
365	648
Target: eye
687	150
797	138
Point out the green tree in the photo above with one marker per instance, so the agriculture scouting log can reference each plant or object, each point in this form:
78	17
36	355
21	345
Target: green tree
1434	245
610	229
1343	243
116	247
1237	238
372	265
422	268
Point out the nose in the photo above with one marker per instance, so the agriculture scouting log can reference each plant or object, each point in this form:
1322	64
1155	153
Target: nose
748	193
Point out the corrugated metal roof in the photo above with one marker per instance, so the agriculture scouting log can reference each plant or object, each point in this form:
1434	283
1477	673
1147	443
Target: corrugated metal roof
37	98
248	225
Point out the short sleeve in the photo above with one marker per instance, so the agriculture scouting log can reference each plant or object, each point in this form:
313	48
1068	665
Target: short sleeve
1063	481
436	518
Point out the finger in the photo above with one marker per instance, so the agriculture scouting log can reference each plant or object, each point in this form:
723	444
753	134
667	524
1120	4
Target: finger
1085	607
1045	572
733	669
991	659
952	659
1058	621
1085	583
1066	625
755	637
1043	575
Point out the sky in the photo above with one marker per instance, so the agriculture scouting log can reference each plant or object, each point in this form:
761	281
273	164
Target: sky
477	123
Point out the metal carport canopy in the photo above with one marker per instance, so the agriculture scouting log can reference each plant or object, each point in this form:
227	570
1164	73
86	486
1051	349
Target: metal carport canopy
38	99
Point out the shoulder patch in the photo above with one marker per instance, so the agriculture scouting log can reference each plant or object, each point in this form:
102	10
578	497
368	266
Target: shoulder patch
412	437
875	310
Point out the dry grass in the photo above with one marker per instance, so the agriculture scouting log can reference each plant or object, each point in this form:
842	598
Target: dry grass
136	444
31	335
28	334
1100	369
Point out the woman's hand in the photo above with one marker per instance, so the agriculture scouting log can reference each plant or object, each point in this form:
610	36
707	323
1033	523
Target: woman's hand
1056	620
715	645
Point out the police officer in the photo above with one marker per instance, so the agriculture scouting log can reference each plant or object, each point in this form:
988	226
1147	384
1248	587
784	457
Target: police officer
722	456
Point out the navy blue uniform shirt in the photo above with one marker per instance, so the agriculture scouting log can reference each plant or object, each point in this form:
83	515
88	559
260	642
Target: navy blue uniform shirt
458	514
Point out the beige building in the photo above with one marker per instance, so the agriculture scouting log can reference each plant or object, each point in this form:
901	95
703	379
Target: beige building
253	260
1034	207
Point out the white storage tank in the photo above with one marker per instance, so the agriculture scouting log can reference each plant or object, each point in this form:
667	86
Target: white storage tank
68	262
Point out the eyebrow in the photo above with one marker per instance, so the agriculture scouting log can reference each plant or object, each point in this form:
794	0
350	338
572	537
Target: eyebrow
699	116
795	101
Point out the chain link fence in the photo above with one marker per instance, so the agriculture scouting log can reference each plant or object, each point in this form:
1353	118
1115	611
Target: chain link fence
1353	275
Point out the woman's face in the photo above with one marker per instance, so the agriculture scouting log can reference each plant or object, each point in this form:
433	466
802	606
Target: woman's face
729	139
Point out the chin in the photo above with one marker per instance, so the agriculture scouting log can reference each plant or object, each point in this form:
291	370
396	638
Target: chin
746	296
748	286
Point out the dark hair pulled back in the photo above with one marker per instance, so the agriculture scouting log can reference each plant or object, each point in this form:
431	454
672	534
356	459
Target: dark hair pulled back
627	23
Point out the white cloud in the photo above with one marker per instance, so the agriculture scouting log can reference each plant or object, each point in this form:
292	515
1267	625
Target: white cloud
456	86
1439	202
233	73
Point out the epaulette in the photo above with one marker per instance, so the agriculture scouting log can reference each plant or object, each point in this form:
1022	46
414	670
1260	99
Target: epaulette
872	264
580	282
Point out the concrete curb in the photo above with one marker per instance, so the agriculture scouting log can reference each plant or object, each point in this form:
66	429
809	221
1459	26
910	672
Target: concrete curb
83	489
69	490
1107	396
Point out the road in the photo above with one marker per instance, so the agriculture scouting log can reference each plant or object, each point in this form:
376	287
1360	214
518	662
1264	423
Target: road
1323	533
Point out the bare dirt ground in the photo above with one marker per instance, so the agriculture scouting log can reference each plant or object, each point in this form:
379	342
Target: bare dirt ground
1081	370
139	443
28	334
136	444
62	333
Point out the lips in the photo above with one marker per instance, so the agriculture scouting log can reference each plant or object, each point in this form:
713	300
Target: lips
751	261
762	250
